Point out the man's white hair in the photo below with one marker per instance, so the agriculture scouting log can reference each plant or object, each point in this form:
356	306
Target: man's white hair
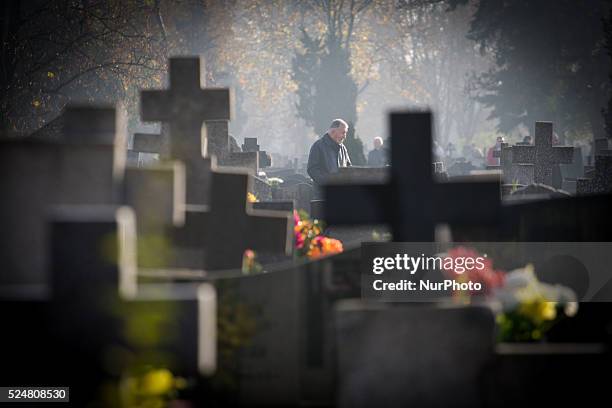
336	123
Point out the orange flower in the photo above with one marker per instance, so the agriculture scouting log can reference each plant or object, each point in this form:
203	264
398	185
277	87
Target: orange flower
323	246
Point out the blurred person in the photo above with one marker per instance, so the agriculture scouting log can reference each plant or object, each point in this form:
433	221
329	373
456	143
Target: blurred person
377	157
491	159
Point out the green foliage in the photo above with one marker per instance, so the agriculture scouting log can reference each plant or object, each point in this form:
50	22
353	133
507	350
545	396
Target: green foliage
305	73
550	63
237	323
335	93
608	44
326	89
354	145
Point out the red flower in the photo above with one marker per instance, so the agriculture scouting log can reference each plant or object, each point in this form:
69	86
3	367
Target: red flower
486	275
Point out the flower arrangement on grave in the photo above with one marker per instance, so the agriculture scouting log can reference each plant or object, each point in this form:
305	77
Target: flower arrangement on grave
145	379
487	276
530	308
252	198
525	307
275	182
152	387
310	242
249	263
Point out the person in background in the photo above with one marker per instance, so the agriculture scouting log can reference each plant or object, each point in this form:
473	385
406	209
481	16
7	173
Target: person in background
526	141
378	156
491	159
328	153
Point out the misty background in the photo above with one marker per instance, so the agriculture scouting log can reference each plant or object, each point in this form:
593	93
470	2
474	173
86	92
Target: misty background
485	68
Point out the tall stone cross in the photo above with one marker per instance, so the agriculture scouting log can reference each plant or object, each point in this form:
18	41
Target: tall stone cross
543	155
185	107
412	202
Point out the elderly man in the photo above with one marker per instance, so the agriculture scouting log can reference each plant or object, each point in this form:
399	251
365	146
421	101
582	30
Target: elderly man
378	156
328	153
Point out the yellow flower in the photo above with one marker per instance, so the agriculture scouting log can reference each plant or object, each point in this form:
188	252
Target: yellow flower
251	198
157	382
36	103
538	310
50	74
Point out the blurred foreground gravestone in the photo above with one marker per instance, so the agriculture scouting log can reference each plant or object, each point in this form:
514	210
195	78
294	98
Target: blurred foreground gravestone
94	306
83	163
445	372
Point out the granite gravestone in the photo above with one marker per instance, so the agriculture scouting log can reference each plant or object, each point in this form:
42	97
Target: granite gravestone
250	145
543	155
602	178
570	173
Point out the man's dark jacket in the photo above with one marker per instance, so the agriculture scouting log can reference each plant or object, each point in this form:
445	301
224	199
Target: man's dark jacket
377	158
325	157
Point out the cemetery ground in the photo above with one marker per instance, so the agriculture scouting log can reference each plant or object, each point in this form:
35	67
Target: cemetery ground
193	280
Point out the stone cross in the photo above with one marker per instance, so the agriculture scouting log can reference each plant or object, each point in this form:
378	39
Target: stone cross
543	155
512	172
602	178
233	227
413	203
185	107
219	145
250	145
228	226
